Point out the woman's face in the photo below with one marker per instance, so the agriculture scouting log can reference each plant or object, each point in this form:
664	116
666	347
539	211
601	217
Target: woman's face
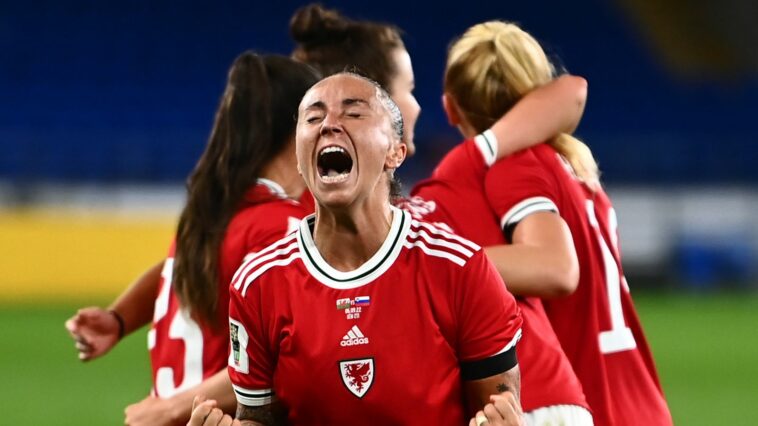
401	90
345	142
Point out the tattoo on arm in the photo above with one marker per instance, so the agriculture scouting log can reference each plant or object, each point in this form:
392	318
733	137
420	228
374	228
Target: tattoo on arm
257	416
502	387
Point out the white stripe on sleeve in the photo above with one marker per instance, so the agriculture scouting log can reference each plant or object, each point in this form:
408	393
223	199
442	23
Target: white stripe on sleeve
487	144
254	397
523	209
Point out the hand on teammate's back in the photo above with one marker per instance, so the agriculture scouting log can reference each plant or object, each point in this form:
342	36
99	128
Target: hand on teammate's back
503	410
205	413
95	331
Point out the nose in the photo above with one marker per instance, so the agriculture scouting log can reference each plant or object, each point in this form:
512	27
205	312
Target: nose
331	124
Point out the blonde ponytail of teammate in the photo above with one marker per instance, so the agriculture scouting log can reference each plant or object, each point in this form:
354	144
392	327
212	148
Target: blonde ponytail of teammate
490	68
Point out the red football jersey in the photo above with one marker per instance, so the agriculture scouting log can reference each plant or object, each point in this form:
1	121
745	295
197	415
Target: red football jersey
455	196
184	352
387	343
597	325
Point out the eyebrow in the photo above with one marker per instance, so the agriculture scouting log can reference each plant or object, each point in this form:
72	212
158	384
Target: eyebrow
316	105
354	101
320	105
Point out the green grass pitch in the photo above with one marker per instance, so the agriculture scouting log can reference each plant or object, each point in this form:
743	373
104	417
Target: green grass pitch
706	349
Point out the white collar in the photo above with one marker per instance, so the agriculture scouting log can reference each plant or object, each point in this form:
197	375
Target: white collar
373	268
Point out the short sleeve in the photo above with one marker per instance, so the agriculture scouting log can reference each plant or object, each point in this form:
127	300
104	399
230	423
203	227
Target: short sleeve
278	225
464	164
486	145
518	186
489	321
251	365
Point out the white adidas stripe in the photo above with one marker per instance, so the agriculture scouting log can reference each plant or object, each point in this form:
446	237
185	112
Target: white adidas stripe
261	260
245	266
436	253
447	235
440	242
265	267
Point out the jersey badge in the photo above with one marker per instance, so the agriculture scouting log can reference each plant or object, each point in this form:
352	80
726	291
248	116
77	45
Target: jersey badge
234	335
357	375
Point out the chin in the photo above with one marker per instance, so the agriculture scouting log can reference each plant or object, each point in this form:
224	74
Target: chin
333	201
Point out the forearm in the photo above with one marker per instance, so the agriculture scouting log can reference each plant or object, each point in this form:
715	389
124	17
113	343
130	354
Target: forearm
533	270
542	114
266	415
135	305
218	387
478	392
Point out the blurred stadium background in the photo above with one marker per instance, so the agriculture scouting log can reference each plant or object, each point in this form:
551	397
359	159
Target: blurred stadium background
106	107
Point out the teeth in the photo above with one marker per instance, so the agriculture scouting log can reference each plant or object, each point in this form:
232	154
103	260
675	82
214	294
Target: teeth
333	177
332	149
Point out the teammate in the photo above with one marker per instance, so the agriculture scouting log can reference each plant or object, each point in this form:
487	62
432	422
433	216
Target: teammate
322	36
332	43
545	197
240	199
365	315
326	40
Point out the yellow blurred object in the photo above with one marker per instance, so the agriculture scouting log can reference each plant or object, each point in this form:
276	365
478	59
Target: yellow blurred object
50	255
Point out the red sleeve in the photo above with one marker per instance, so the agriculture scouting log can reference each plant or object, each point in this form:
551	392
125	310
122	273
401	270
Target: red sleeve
279	223
251	365
518	186
489	322
463	161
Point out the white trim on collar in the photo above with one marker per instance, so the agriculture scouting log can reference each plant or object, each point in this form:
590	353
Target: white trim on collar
364	274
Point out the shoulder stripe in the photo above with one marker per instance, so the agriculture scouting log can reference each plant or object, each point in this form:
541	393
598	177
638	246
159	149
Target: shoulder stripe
245	261
438	232
252	256
440	242
254	398
526	207
436	253
263	256
265	267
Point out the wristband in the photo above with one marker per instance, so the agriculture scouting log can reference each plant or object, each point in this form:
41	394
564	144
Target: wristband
120	321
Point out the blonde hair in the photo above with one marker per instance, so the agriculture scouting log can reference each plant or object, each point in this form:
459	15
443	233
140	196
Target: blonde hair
491	67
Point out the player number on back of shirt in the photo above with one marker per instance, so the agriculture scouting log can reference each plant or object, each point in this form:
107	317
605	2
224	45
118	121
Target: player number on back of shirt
619	337
182	328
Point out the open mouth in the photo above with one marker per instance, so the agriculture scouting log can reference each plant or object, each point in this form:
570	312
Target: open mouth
334	164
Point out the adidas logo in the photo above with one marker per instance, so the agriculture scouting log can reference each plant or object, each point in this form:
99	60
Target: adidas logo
354	337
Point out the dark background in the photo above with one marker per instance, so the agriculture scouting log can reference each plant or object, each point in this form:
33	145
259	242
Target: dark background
112	92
